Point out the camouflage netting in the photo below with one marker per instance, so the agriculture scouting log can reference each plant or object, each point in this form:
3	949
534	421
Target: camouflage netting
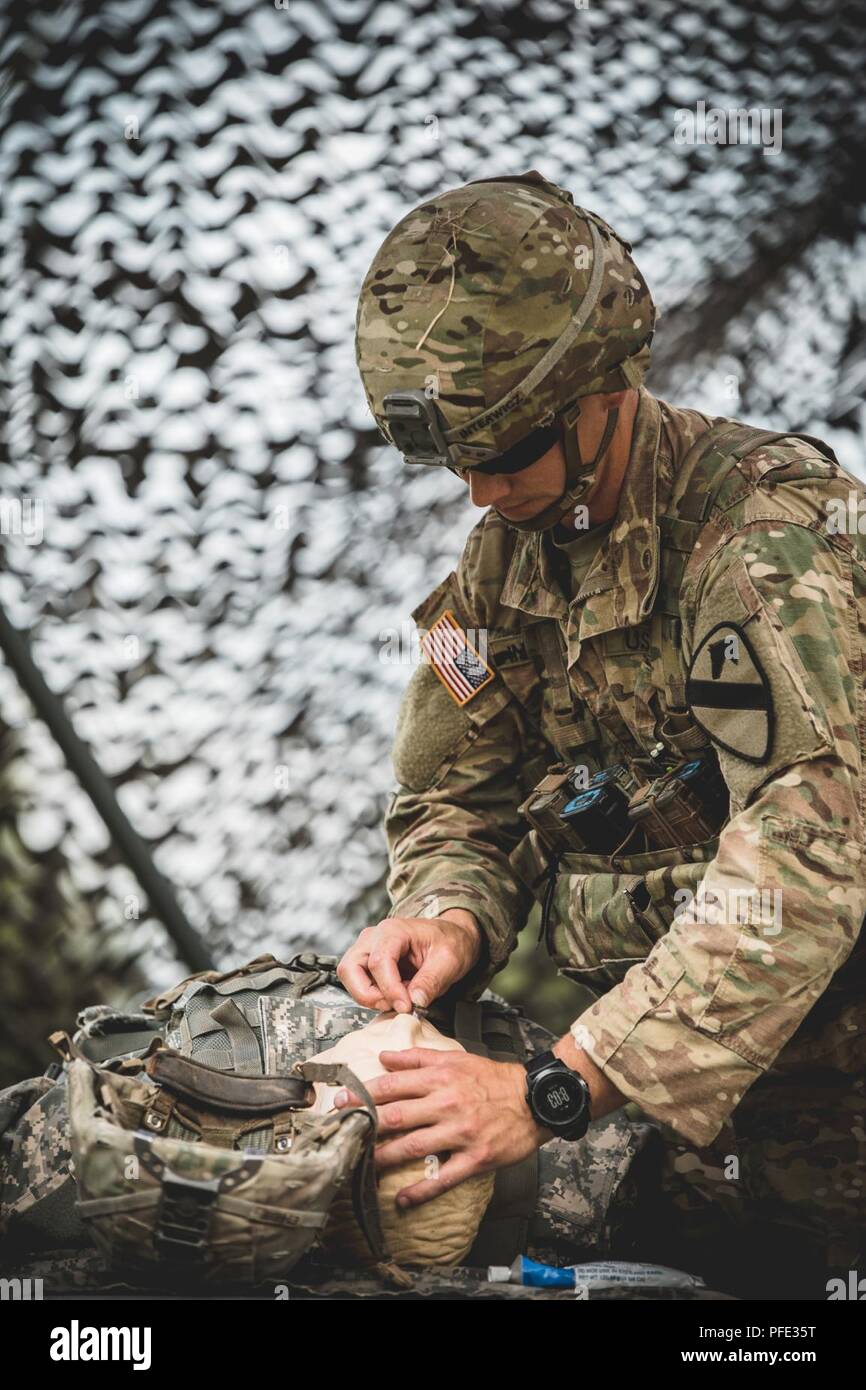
54	960
191	196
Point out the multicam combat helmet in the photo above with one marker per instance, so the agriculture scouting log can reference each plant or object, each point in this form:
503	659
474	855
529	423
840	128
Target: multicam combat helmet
486	315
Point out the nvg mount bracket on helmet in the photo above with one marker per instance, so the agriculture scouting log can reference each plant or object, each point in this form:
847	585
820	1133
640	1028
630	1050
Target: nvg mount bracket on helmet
414	426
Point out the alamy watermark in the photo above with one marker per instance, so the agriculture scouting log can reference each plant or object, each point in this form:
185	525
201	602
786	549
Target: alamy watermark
77	1343
851	1290
750	906
755	125
24	517
402	646
21	1290
847	517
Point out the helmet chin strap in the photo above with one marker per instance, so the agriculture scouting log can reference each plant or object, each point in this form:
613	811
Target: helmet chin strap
579	476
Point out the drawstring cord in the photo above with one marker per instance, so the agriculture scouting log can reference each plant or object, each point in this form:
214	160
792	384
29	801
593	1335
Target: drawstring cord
552	872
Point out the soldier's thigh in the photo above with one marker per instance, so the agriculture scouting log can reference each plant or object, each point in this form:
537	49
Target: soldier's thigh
775	1207
802	1140
691	1214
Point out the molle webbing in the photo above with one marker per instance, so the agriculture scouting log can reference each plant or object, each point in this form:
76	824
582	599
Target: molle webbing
672	672
571	734
246	1052
102	1047
241	1031
696	487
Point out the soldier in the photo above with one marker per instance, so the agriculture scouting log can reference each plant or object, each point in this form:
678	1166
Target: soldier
666	608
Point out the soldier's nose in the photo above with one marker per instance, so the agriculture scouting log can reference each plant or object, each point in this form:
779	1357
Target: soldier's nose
487	489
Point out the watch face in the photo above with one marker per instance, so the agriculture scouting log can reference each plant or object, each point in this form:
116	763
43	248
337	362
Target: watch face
558	1099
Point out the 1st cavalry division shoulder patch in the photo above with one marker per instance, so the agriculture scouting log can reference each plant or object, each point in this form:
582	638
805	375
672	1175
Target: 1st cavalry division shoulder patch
729	694
458	665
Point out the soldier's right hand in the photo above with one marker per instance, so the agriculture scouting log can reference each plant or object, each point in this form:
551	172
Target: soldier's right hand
407	962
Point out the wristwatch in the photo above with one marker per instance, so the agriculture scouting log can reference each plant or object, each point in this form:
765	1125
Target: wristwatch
558	1096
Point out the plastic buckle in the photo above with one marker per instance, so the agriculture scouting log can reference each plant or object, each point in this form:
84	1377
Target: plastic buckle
184	1217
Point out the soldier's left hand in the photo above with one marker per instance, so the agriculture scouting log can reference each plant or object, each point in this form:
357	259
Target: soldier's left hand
433	1103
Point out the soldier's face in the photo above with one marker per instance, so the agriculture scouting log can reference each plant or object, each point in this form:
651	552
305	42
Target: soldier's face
520	496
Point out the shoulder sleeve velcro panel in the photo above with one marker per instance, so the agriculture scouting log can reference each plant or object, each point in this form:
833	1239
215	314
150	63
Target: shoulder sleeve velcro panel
455	689
430	727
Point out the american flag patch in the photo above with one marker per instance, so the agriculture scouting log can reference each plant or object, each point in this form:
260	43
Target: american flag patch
458	665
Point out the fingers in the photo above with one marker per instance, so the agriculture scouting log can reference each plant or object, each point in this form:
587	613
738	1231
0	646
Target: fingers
409	1057
370	968
398	1117
434	954
383	965
454	944
400	1085
409	1107
437	972
344	1098
442	1177
352	972
424	1143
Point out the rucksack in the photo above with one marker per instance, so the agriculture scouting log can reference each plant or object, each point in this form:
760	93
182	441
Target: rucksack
200	1155
192	1149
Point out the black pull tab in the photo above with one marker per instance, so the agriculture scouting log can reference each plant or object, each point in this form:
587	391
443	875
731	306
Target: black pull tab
553	873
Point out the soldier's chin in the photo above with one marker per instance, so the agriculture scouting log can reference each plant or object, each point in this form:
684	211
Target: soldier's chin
525	512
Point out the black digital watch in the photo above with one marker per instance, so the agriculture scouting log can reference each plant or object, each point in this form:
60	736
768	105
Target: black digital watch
558	1096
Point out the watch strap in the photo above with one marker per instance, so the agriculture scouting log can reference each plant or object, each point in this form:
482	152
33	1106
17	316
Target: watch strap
538	1063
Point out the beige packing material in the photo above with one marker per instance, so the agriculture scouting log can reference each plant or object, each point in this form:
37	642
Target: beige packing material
441	1231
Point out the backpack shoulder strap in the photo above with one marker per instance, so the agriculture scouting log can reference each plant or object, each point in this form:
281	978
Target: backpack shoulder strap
697	485
714	455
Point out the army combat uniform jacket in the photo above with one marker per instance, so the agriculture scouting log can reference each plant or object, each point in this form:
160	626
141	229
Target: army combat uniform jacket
695	1000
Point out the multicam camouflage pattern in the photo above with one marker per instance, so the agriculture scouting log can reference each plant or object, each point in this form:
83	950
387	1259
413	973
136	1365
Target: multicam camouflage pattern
693	1011
264	1209
471	290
